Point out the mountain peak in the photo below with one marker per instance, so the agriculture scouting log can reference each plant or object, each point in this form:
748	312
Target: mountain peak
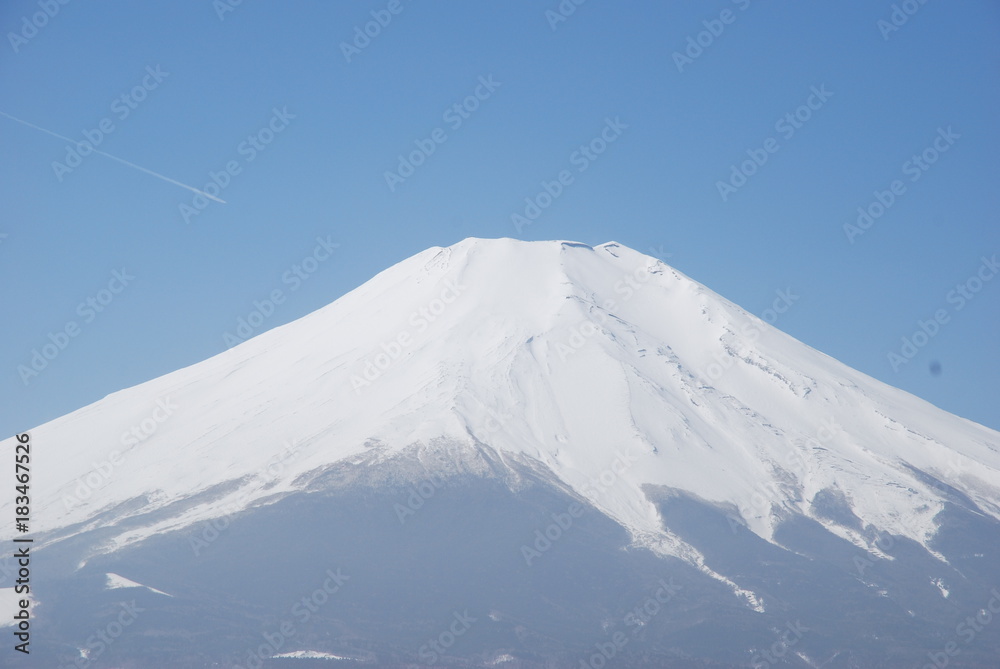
588	354
502	381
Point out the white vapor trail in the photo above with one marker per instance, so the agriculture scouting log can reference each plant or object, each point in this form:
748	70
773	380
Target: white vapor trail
120	160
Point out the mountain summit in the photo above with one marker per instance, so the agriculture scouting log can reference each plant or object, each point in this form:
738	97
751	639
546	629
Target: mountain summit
539	438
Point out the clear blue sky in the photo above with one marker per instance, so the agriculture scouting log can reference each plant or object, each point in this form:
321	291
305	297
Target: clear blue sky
552	86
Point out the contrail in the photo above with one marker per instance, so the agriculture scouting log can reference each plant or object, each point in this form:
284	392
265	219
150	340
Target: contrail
120	160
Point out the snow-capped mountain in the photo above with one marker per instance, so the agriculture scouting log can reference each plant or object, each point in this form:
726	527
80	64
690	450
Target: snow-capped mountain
514	409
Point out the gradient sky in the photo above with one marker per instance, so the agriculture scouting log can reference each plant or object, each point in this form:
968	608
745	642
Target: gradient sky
222	74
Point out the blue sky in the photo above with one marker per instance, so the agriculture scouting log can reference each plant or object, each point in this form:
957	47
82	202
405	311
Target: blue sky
203	84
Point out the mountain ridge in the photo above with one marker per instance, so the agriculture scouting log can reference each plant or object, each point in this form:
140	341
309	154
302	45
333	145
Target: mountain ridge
490	426
425	359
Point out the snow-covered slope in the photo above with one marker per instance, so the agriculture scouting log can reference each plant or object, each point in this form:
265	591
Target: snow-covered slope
607	366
